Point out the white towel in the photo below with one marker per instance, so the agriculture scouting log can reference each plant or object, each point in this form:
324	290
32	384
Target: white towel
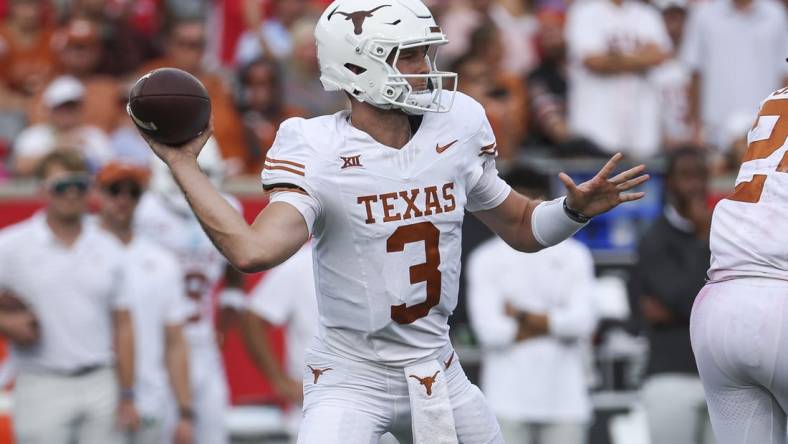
430	406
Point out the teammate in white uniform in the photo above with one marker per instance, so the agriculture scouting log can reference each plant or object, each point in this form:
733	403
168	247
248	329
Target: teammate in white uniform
383	190
159	308
164	216
739	323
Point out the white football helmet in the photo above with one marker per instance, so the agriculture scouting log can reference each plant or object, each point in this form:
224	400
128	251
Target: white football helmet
353	34
162	183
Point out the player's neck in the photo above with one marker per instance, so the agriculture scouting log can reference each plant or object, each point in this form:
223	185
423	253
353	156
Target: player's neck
388	127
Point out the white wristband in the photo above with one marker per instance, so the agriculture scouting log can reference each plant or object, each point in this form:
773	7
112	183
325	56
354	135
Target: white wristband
551	225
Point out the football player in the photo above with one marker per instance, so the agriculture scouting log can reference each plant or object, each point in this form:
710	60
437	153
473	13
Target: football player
383	189
739	322
164	216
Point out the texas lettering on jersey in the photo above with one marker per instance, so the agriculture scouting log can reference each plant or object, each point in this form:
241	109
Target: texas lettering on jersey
408	204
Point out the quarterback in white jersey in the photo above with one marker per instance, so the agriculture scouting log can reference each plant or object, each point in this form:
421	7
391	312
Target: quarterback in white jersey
739	323
164	216
383	190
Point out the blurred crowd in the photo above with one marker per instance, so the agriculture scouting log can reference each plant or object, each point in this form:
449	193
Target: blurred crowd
558	78
673	79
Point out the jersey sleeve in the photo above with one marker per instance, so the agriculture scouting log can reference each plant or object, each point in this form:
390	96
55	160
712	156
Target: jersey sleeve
486	190
286	164
287	173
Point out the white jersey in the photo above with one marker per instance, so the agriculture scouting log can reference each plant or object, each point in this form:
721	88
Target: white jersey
387	224
155	288
202	264
747	235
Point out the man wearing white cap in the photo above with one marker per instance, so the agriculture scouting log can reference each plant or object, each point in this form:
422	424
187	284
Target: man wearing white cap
64	130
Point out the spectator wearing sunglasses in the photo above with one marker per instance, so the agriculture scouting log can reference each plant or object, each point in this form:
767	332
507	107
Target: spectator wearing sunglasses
74	383
158	310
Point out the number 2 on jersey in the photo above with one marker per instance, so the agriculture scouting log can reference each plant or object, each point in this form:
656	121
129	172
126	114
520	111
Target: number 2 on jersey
426	272
751	191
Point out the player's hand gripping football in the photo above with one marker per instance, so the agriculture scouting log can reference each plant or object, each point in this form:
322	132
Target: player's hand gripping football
174	154
603	193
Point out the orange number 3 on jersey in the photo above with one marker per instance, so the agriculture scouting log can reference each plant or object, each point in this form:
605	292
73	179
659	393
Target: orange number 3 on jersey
427	272
751	191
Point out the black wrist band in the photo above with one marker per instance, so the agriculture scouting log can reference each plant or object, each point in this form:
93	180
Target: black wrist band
186	413
575	215
127	394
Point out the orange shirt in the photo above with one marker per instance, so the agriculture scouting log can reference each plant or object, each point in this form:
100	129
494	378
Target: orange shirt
26	67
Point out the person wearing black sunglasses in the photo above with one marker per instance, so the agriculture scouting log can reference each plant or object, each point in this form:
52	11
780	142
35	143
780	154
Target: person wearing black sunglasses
159	308
70	274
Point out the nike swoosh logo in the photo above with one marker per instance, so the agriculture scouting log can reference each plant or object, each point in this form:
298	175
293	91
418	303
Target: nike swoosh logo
443	148
448	363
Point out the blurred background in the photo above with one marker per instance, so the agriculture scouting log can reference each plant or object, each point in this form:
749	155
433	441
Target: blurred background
674	84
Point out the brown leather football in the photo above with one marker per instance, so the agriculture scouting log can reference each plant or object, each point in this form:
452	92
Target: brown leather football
170	106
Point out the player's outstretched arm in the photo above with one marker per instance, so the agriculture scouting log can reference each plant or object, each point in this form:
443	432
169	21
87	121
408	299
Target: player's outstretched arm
277	233
529	225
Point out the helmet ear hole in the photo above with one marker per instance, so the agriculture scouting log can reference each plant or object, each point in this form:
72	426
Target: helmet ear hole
355	69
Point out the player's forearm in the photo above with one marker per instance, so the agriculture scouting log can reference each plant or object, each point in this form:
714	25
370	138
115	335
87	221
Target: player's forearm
124	347
256	341
624	63
511	221
177	360
226	228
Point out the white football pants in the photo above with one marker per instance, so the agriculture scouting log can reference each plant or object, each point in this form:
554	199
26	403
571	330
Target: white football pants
739	331
357	402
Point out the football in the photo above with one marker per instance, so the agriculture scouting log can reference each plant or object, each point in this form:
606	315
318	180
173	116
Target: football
170	106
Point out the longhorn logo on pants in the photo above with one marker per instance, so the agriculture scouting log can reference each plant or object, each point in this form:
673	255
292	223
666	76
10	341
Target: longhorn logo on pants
318	372
426	382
